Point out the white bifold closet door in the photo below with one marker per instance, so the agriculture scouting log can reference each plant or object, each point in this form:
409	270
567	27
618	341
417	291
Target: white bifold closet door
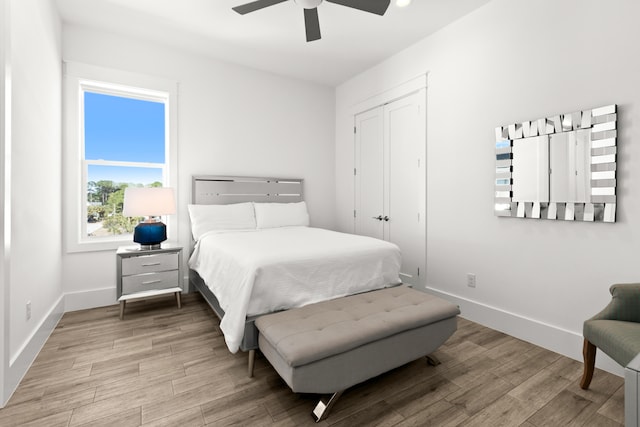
369	174
390	179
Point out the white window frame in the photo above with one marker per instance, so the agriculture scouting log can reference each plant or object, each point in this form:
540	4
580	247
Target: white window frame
81	78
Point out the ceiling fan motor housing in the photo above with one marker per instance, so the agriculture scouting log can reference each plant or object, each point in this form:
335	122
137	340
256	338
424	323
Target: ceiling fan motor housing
308	4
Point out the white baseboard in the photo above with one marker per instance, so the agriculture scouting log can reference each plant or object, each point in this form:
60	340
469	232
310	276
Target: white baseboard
74	301
559	340
21	362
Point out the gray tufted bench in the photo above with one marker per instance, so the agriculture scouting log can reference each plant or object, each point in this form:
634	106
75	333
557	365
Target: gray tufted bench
327	347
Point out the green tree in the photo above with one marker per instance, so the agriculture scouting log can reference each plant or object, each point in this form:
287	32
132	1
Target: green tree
118	224
116	199
103	189
92	192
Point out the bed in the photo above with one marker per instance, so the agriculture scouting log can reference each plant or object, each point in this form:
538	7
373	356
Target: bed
244	270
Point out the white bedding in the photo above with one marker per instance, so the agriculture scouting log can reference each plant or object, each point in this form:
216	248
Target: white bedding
260	271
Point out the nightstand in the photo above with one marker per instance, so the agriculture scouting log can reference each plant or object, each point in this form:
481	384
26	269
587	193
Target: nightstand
146	273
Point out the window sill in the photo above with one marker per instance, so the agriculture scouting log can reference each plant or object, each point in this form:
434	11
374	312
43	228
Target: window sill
97	246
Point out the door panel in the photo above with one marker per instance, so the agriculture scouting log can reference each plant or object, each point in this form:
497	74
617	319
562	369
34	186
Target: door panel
369	173
402	140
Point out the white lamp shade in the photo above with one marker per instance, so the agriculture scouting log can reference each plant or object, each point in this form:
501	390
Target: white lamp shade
154	201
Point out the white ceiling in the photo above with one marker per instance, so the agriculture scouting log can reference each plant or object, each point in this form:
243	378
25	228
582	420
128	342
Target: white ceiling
272	39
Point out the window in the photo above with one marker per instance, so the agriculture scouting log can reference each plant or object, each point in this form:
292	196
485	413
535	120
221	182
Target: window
124	145
119	127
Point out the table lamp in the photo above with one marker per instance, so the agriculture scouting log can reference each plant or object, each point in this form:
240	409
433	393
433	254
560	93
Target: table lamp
149	202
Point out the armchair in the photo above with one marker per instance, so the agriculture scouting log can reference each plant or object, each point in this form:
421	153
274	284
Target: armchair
615	330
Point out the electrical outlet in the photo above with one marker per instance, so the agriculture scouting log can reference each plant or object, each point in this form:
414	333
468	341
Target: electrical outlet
28	310
471	280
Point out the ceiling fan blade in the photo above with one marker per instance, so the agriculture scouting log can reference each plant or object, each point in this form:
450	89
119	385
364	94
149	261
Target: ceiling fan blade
379	7
312	24
255	5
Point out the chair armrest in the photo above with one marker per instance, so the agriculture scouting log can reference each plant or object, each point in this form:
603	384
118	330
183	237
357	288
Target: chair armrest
624	305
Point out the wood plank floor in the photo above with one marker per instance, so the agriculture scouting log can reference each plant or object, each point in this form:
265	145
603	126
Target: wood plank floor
167	367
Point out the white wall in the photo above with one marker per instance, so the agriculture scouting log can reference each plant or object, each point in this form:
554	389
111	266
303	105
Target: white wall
507	62
34	196
5	37
232	120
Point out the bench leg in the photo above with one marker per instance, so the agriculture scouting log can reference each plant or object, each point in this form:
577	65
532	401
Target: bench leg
252	360
322	410
432	360
589	354
178	300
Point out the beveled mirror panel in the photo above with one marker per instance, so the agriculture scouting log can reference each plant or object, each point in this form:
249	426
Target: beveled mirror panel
569	167
559	167
530	166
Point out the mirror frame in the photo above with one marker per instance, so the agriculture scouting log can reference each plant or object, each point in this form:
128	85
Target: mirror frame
603	145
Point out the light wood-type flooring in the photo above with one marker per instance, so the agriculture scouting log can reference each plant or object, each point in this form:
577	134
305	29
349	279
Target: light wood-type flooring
162	366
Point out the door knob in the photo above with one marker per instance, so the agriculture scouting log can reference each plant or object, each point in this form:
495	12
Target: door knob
386	218
379	217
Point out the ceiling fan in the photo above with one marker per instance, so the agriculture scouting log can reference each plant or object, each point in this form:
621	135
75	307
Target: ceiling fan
312	25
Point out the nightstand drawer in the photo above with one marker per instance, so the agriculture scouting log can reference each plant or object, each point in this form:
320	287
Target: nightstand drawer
149	263
146	282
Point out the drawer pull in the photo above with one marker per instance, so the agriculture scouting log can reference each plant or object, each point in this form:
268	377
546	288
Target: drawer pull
151	264
150	282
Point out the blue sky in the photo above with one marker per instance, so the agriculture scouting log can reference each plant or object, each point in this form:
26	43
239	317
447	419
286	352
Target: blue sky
124	175
123	129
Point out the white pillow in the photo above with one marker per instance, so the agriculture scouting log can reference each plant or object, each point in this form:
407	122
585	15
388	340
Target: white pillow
271	215
237	216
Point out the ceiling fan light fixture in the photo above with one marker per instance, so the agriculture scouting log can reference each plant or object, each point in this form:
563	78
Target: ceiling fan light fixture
308	4
403	3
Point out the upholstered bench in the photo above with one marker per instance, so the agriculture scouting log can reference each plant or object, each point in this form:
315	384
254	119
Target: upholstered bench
327	347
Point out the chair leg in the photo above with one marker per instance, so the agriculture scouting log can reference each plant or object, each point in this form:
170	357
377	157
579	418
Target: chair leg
252	361
589	354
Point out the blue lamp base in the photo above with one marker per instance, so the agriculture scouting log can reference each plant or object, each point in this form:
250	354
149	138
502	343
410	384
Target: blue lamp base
150	234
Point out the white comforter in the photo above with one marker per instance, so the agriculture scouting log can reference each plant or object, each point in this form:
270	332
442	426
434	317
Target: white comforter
260	271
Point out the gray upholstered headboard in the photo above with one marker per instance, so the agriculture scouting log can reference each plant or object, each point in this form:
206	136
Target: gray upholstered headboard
223	190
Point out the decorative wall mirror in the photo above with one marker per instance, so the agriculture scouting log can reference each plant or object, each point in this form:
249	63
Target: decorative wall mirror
560	167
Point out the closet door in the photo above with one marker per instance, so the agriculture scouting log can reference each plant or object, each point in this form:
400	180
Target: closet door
404	192
369	174
390	179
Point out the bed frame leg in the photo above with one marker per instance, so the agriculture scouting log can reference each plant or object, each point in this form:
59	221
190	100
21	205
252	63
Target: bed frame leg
322	410
252	360
432	360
